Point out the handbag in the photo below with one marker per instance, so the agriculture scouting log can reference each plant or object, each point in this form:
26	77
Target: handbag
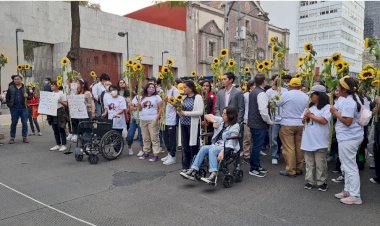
365	116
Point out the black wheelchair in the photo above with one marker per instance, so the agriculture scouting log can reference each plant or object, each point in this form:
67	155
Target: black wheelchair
230	166
97	137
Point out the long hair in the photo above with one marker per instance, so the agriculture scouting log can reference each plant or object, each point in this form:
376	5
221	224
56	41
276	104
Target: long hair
145	90
83	86
323	100
353	91
232	115
191	85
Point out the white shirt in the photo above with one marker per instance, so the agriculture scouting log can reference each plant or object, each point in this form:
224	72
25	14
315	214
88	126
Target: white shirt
346	106
62	97
97	89
316	136
293	103
246	103
149	109
262	102
272	93
171	113
135	102
114	105
227	96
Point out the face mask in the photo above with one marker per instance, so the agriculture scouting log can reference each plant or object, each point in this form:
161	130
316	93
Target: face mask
151	91
286	85
30	91
114	93
46	82
107	88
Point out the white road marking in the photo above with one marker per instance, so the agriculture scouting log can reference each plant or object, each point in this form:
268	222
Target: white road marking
50	207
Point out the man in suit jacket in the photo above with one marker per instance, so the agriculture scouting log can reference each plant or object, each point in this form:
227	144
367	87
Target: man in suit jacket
230	96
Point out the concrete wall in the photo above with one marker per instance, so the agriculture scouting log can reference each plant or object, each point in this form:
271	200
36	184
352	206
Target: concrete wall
50	22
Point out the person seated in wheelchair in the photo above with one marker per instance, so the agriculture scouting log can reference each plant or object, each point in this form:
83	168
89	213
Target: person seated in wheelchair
226	127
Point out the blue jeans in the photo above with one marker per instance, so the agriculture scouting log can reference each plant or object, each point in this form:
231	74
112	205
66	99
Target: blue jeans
98	109
258	140
133	126
15	115
212	151
275	149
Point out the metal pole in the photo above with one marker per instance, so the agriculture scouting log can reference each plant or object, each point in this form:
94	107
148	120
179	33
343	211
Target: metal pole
226	25
17	49
162	59
239	39
127	46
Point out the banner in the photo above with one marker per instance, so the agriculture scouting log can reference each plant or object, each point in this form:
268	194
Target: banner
77	107
48	103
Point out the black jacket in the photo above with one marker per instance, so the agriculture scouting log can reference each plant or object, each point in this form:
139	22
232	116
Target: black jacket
11	94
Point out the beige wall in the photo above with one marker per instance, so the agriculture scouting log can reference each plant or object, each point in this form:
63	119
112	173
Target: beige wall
205	17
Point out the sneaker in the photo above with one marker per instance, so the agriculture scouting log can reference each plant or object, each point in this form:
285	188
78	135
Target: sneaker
257	173
274	161
374	180
144	156
342	195
62	148
262	170
11	141
308	186
339	179
153	159
263	153
74	138
56	147
165	158
330	158
189	174
351	200
25	140
323	187
171	160
69	136
209	180
141	153
334	171
39	134
130	151
285	173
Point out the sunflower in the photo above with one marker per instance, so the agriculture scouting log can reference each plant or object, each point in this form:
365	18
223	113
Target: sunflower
368	66
169	62
19	68
216	61
193	73
27	66
346	64
129	63
298	75
59	78
138	58
366	74
336	57
165	69
179	98
300	61
244	89
172	100
231	63
160	75
247	70
260	67
308	57
340	66
278	97
376	83
6	60
299	64
59	83
308	47
137	67
223	53
220	77
366	43
271	61
65	61
275	48
326	61
279	55
273	40
267	64
92	74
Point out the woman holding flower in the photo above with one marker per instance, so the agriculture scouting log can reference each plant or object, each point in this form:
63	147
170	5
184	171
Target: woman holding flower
190	114
210	100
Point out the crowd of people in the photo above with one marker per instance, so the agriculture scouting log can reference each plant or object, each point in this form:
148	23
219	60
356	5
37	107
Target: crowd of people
277	116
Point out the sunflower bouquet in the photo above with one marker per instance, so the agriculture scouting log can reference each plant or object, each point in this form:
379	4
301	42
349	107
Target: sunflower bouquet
3	60
93	75
167	78
221	65
306	65
24	70
264	66
69	75
278	57
176	102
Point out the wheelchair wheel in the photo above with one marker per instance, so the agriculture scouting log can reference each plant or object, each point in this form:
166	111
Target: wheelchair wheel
111	145
199	174
238	175
93	159
78	154
79	158
228	181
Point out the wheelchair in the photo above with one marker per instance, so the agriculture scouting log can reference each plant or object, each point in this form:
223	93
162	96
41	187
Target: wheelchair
230	166
97	137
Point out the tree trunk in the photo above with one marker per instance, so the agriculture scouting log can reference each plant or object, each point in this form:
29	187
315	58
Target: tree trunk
74	52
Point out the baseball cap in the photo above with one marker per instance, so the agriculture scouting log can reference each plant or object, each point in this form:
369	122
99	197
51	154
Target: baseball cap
295	82
318	88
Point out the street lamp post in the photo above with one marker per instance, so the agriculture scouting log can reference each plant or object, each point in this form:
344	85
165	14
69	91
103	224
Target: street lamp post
17	30
125	34
162	57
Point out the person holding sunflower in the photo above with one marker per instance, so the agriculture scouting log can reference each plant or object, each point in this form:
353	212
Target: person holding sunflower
247	139
210	100
97	90
32	101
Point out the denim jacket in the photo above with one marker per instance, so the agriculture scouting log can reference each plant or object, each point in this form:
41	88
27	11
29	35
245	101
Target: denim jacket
230	131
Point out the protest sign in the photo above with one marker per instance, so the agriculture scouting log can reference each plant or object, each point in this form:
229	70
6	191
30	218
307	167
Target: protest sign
48	103
77	107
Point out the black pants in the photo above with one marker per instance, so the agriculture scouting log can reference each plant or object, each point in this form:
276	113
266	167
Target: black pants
33	120
376	150
170	139
59	134
188	151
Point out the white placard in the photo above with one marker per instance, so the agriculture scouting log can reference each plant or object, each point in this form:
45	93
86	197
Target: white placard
77	107
48	103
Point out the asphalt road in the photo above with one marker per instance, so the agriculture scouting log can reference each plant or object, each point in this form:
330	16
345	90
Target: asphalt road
40	187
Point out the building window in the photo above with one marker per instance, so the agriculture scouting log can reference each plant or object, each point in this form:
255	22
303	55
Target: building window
211	48
96	60
88	60
247	24
104	59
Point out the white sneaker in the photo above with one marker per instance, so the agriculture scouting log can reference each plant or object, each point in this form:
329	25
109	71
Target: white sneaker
130	151
39	134
263	153
69	136
169	161
62	148
56	147
74	138
274	161
141	153
165	158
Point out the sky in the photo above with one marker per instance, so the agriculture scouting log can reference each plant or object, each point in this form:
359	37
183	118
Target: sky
122	7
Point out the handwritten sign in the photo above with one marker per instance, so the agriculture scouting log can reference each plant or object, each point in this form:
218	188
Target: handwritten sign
48	103
77	107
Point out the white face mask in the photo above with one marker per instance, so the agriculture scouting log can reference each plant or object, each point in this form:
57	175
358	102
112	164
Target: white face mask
114	93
